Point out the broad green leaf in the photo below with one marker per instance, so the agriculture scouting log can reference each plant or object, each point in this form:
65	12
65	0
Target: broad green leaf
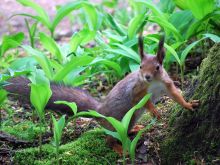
182	4
135	24
38	9
41	59
11	41
64	11
181	21
113	134
115	25
152	6
70	66
3	96
90	11
213	37
72	105
114	37
197	26
137	137
91	16
81	37
127	118
51	46
130	52
169	48
167	6
90	113
24	63
108	63
200	8
133	65
40	95
118	126
187	50
166	25
58	129
37	18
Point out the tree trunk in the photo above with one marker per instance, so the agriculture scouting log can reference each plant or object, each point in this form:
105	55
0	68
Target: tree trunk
194	136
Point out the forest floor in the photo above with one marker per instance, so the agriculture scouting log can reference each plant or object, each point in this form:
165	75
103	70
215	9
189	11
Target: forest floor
16	117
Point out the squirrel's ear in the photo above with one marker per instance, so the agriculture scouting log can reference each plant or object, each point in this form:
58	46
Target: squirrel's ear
161	51
141	46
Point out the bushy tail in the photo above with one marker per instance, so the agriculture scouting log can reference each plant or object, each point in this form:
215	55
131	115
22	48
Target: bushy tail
19	89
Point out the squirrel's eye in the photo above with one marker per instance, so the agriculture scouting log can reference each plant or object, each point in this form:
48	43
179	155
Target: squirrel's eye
158	67
140	67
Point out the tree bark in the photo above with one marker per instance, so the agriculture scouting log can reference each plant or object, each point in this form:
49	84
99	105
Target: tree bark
196	135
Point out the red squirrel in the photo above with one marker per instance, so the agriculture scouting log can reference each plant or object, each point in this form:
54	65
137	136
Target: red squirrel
150	78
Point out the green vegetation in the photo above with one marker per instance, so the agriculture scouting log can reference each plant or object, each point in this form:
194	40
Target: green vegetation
57	134
90	148
101	52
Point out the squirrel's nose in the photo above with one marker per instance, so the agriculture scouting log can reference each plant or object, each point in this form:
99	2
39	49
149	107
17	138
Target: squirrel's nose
148	78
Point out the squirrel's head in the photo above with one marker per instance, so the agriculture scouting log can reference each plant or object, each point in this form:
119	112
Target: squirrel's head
151	66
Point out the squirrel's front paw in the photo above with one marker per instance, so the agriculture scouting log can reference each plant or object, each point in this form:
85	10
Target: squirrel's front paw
192	104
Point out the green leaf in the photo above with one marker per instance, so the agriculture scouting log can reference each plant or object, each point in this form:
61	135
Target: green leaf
135	140
64	11
152	6
90	11
58	129
72	105
115	25
39	10
200	8
11	41
37	18
135	24
130	52
113	134
3	96
182	4
90	113
51	46
40	95
166	25
127	118
169	48
91	16
82	37
108	63
118	126
213	37
133	65
197	26
70	66
41	59
187	50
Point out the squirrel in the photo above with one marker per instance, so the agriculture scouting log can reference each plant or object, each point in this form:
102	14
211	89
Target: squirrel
151	77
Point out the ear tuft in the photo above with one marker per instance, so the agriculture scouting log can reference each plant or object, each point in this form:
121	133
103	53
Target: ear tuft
141	46
161	50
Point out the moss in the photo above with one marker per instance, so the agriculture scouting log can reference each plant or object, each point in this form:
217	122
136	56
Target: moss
25	130
197	131
90	148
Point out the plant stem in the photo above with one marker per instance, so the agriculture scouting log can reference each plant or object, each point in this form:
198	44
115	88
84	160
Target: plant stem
182	75
124	160
52	33
0	117
40	139
57	154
